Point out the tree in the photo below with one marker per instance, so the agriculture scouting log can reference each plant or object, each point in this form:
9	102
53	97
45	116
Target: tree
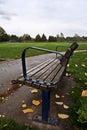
13	38
2	31
62	37
43	38
78	38
38	38
26	37
3	35
52	39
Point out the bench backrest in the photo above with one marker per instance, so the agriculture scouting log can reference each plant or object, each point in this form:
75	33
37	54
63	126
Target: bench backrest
68	53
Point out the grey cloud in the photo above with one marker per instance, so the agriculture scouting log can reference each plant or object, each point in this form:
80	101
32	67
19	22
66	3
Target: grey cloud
2	2
6	15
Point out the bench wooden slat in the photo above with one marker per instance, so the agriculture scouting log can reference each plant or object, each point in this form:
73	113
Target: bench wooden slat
58	74
42	66
52	73
45	71
34	68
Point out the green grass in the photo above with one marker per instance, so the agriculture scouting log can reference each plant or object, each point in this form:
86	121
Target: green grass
14	50
78	68
10	124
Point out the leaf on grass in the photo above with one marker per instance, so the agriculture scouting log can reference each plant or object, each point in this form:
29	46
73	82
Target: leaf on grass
3	116
76	65
28	110
84	93
65	106
59	103
57	96
85	74
67	74
85	83
34	91
83	65
68	65
63	116
35	102
24	105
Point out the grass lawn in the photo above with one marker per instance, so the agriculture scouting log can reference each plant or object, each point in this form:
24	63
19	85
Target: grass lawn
14	50
78	69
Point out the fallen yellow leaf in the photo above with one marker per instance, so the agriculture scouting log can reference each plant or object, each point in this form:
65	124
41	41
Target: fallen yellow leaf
34	91
83	65
85	83
67	74
85	74
57	96
28	110
84	93
76	65
68	65
65	106
59	103
24	105
35	102
3	116
63	116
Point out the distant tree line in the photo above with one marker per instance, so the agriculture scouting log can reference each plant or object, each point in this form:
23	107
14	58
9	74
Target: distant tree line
4	37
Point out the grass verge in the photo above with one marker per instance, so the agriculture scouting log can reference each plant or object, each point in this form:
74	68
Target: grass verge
10	124
78	68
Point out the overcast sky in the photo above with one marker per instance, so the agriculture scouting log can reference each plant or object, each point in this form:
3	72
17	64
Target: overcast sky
50	17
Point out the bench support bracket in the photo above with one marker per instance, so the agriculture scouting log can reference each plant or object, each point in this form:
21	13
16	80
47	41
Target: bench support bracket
45	110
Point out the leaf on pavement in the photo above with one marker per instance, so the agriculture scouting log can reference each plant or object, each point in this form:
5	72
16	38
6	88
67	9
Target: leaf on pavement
35	102
59	103
63	116
28	110
34	91
57	96
65	106
24	105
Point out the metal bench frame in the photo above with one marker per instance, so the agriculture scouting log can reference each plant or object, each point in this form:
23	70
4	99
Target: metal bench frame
43	85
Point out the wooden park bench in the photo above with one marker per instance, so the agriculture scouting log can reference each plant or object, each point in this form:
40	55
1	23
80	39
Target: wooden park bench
46	76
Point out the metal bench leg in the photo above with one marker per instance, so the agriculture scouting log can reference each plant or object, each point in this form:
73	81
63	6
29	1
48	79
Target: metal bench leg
45	110
45	104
